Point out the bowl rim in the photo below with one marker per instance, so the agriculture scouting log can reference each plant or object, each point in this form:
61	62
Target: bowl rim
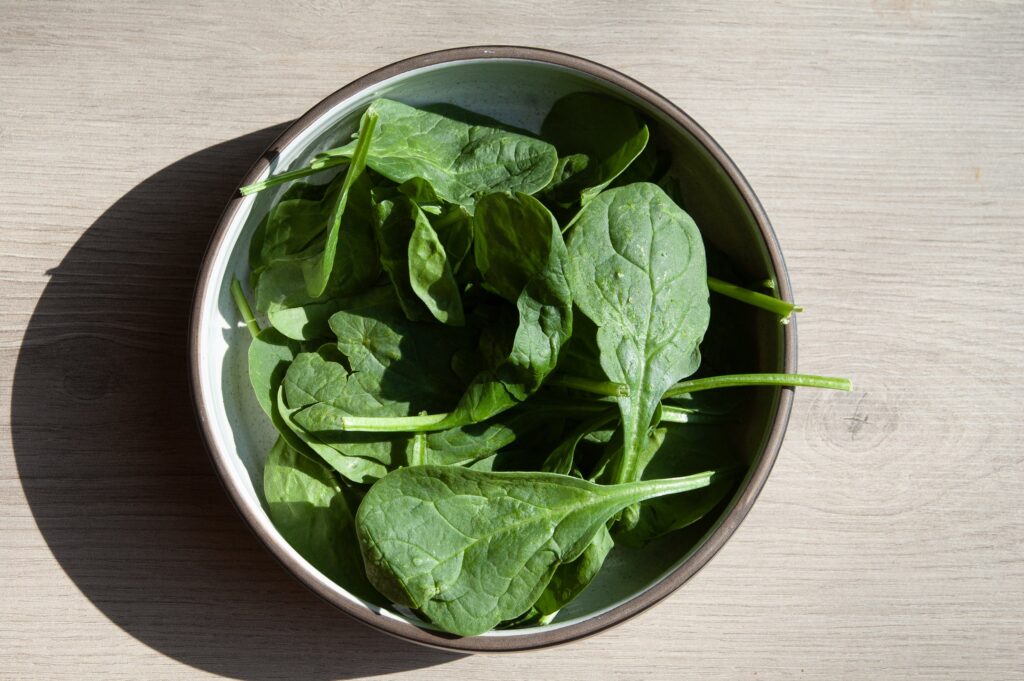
712	543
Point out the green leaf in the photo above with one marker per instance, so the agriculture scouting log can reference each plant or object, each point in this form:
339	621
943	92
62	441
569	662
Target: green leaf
562	458
681	450
570	579
270	353
607	131
282	282
470	549
309	509
465	444
318	272
353	467
637	270
430	274
520	253
410	362
460	161
317	390
568	167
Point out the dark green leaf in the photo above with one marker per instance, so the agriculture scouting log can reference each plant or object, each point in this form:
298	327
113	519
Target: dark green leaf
460	161
283	281
520	254
683	450
318	272
606	130
309	509
637	270
354	467
470	549
430	274
269	356
570	579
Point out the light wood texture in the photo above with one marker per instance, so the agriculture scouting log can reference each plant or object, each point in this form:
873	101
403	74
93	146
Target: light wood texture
885	140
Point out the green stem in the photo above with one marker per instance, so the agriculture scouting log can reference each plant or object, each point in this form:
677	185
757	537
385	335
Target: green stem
429	423
243	307
424	423
657	488
742	380
281	178
779	307
672	414
418	451
607	388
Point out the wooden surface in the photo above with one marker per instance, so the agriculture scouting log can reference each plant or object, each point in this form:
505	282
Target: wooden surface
885	140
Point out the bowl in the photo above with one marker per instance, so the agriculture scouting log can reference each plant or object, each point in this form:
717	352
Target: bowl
516	85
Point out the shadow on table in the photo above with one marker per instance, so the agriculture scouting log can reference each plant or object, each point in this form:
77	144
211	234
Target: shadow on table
113	467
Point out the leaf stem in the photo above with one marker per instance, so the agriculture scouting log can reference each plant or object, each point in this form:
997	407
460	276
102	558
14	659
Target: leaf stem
779	307
658	488
423	423
607	388
243	307
671	414
742	380
281	178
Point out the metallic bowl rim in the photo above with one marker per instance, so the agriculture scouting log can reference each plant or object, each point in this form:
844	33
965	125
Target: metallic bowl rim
712	543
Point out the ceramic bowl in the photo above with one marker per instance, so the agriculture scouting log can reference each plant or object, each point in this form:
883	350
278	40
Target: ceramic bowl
517	86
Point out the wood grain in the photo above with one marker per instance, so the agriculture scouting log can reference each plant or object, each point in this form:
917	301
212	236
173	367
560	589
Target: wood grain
883	137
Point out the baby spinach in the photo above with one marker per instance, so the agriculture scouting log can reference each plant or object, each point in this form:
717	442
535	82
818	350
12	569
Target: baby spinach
270	354
481	547
570	579
636	269
606	132
430	274
521	256
460	161
282	277
480	353
310	509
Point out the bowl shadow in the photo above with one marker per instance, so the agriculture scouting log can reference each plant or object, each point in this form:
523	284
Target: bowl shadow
116	473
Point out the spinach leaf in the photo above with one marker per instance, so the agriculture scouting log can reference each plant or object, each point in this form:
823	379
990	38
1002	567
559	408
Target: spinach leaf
309	509
430	274
417	263
269	356
318	271
637	270
562	458
410	362
606	130
317	389
282	282
682	450
460	161
570	579
352	466
455	230
294	223
470	549
396	219
304	322
521	256
567	168
312	321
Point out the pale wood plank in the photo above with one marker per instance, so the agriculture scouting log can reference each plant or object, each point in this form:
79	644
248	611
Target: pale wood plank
884	140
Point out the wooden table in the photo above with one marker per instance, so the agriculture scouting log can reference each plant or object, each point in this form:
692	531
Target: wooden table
885	139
